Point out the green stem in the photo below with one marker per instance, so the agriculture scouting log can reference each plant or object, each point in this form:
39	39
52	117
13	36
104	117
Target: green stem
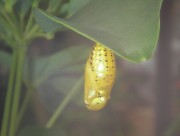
33	30
12	25
29	23
21	18
24	106
30	89
40	34
9	21
9	95
14	19
62	105
17	90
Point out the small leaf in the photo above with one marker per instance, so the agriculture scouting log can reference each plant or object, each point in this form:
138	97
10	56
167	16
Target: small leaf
130	28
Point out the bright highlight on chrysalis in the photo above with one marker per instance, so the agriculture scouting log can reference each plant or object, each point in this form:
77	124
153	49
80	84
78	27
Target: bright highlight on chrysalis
100	74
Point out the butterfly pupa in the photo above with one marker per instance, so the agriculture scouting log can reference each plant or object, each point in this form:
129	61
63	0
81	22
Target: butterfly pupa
100	74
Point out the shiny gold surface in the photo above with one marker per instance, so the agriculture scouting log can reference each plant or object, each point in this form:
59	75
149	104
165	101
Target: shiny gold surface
99	77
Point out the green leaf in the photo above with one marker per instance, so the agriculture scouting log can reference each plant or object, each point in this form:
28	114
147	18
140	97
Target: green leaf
5	58
76	5
42	131
67	61
46	24
67	77
129	27
56	75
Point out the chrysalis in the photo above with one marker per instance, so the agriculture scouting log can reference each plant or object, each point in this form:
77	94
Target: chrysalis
100	74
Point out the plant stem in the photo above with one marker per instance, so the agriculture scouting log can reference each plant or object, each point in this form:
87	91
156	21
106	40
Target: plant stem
24	106
30	89
18	83
29	23
9	95
62	105
33	31
11	24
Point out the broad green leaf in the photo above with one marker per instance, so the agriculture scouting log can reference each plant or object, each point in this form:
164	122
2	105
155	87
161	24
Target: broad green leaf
76	5
46	24
5	58
68	61
42	131
56	75
58	88
129	27
64	79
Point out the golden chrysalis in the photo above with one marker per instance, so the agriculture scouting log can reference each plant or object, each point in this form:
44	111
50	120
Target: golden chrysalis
100	74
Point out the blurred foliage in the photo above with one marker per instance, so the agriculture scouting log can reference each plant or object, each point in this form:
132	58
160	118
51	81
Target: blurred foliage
42	131
5	58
